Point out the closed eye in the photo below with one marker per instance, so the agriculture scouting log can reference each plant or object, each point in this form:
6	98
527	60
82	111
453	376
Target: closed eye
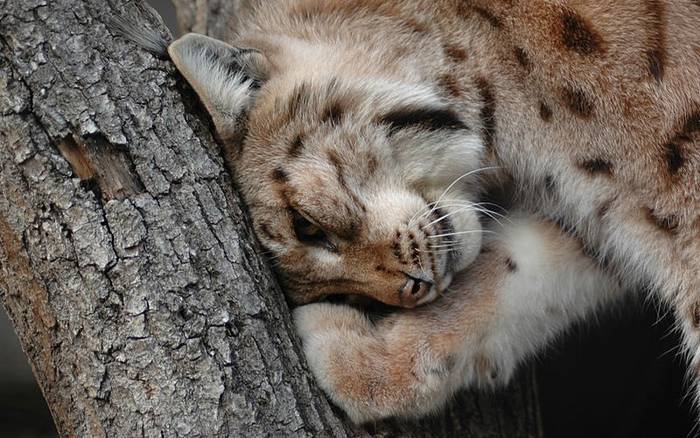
310	233
429	118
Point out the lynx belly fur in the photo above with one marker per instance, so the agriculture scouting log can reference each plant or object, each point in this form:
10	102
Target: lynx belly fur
362	134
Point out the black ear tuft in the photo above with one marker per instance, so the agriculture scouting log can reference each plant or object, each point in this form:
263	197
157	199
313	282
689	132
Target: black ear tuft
145	37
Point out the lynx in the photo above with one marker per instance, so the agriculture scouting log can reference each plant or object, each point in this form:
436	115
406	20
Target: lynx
363	135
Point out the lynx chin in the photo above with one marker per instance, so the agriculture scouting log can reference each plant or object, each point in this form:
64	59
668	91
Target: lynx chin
364	134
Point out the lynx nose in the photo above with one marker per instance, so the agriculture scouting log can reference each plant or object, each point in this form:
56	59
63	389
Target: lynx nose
414	290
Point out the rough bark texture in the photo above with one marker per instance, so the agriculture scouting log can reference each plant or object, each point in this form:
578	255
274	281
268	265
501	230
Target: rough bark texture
126	264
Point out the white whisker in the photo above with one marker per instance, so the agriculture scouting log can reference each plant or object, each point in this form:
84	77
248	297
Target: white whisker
442	195
462	177
461	232
441	251
454	204
451	245
500	207
440	219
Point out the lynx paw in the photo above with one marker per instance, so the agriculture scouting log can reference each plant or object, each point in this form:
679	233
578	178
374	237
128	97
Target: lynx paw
371	372
332	338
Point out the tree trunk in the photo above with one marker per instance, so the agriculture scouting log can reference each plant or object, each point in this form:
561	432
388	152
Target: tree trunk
127	265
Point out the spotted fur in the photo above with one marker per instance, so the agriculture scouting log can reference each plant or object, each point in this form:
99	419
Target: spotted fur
357	116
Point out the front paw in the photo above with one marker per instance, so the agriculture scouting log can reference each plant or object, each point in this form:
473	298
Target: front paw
372	373
334	338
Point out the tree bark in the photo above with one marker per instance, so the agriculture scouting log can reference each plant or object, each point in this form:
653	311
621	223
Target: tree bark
126	262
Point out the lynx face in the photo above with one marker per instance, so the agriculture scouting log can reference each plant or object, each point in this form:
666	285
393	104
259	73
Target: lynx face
344	178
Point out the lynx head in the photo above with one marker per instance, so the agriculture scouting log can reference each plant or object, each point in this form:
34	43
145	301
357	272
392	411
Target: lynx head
356	183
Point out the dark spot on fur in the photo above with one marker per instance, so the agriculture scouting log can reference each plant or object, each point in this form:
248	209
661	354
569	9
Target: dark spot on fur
372	164
656	54
692	124
597	166
332	114
455	52
334	159
380	268
674	153
414	248
668	224
549	184
416	26
510	264
462	9
695	315
396	247
308	14
674	157
488	16
578	36
280	175
604	208
655	63
298	99
522	58
578	102
450	84
433	119
488	111
545	112
485	250
295	148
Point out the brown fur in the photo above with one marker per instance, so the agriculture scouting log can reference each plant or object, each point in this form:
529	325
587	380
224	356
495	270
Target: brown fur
592	106
591	64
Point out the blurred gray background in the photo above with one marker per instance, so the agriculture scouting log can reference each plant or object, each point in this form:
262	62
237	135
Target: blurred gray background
166	10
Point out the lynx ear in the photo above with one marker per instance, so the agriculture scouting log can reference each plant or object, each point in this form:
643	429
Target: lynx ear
226	78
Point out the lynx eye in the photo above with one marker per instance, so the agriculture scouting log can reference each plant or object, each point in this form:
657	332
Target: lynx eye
308	232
